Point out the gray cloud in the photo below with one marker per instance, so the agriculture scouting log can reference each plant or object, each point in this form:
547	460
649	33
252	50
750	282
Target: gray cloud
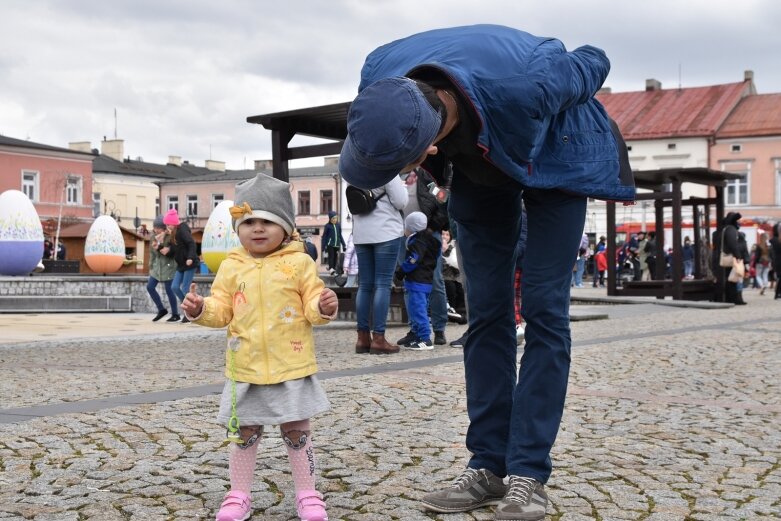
184	75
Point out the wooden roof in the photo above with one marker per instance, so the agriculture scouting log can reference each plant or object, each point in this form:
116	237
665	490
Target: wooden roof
326	121
656	179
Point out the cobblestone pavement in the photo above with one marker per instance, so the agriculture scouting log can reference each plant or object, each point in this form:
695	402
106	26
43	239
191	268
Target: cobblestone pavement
672	414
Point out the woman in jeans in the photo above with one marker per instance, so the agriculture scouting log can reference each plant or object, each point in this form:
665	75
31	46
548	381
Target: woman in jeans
161	269
184	252
377	236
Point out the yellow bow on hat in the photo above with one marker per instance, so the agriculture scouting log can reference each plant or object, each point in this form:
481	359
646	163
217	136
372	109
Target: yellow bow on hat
238	211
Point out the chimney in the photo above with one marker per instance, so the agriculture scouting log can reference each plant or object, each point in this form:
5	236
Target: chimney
748	75
217	166
331	161
263	164
652	84
175	160
81	146
113	148
604	90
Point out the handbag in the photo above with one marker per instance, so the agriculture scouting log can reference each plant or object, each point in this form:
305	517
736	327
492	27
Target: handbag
738	271
726	260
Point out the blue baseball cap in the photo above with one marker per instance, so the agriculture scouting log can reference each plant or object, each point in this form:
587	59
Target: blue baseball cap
390	125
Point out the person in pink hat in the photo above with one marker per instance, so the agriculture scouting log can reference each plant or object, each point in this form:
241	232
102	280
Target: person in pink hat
183	251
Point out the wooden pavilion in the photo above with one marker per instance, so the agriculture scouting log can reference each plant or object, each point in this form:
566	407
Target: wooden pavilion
665	191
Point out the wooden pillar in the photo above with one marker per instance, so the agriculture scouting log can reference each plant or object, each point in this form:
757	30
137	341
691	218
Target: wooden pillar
280	154
659	220
611	248
677	262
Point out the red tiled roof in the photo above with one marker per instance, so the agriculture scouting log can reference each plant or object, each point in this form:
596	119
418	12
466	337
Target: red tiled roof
688	112
758	115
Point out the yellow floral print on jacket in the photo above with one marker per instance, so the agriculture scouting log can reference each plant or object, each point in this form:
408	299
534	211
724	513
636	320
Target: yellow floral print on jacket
270	305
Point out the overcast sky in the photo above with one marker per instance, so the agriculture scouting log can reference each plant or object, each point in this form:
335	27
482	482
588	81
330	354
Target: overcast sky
184	75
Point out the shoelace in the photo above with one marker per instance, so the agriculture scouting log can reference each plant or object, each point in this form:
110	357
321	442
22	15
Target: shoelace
465	479
521	489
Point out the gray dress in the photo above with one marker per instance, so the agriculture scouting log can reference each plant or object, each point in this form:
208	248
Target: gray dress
274	404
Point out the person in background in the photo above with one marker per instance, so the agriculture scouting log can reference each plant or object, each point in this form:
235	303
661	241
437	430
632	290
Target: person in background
184	251
47	249
725	239
520	251
649	269
350	264
417	271
456	300
161	269
378	236
332	242
775	258
61	251
269	295
425	197
688	258
600	267
762	262
310	248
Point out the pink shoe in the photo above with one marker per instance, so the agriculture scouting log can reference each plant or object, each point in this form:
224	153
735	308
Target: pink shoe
235	507
311	506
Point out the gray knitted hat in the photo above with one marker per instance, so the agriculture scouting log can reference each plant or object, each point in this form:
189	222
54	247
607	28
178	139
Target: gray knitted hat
159	223
415	222
265	198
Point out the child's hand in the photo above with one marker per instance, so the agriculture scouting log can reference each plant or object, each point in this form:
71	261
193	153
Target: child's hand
329	303
193	302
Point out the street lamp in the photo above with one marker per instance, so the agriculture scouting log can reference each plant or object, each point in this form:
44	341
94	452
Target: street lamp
110	208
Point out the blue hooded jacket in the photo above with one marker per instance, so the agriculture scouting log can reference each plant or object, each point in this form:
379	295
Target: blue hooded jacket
539	121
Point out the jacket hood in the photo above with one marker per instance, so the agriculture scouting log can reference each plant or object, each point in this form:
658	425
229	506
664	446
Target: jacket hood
732	218
242	255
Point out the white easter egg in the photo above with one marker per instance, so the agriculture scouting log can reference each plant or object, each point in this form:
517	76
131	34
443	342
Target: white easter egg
21	234
104	249
218	236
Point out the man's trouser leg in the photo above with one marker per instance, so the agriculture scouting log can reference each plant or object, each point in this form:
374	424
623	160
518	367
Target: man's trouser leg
488	221
555	226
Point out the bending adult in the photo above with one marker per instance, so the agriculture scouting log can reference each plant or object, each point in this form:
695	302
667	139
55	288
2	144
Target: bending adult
516	116
377	236
183	250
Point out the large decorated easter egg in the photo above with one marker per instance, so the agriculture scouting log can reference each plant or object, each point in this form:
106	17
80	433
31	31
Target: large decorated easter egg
21	234
218	236
104	249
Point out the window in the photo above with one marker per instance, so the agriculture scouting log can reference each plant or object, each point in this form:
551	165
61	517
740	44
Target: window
736	148
217	199
157	206
671	146
326	201
30	184
303	203
192	205
73	190
173	202
95	204
737	191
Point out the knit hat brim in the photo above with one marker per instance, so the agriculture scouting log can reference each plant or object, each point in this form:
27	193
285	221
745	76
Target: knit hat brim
260	214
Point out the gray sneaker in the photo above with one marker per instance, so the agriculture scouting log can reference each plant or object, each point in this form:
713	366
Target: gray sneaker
526	500
472	489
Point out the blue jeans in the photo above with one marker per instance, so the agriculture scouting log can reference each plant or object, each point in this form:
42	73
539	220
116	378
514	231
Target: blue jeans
688	267
514	419
151	286
417	309
376	264
438	297
182	281
577	275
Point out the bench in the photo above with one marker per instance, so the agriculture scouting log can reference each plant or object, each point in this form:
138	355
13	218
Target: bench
697	289
346	296
65	304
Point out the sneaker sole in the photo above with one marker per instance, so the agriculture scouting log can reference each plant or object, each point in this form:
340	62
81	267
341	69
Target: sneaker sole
450	510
